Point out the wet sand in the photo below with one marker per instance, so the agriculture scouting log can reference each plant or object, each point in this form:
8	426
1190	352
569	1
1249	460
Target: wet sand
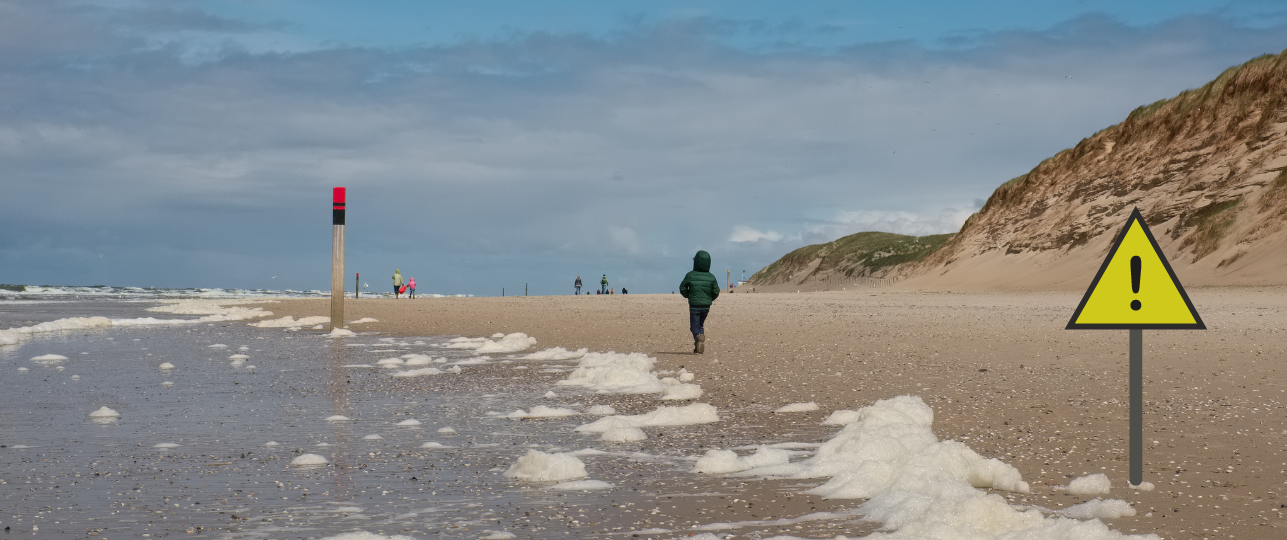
999	370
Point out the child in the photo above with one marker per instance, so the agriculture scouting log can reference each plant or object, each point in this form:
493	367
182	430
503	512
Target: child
701	289
411	288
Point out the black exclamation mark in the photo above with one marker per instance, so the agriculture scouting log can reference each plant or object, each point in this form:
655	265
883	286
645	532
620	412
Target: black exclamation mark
1135	281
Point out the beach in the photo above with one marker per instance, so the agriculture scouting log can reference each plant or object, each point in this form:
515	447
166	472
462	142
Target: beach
998	369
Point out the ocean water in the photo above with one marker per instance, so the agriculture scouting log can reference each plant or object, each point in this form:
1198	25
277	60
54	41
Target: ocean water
194	457
107	292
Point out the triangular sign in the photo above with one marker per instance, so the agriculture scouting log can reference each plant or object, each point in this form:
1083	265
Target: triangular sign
1136	288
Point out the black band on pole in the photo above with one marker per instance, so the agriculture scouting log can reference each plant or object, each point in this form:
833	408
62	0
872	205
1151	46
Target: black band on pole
337	215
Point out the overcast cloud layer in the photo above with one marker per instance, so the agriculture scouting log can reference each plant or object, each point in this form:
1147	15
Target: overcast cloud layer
150	146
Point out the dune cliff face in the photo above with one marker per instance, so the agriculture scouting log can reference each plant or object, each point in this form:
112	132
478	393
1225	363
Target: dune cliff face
1208	170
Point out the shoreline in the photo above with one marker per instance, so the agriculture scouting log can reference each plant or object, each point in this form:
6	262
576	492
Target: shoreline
999	370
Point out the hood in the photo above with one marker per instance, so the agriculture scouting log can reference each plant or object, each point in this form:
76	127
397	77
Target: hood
702	261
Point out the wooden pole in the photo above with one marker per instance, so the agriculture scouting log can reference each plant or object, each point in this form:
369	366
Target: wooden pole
357	285
337	258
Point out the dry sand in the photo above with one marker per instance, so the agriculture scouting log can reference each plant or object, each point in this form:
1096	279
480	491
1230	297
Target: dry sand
998	368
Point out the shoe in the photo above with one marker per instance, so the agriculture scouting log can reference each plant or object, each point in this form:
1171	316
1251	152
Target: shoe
701	344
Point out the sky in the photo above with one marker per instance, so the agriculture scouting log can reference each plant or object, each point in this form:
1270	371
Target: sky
508	143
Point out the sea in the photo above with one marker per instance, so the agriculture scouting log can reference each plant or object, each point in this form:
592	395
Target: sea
195	413
211	413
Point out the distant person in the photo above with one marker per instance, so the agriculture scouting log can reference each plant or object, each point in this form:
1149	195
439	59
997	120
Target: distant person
623	291
411	288
701	289
578	285
397	282
612	291
603	284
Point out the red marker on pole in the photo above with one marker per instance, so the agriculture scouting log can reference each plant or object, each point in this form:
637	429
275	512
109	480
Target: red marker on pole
337	258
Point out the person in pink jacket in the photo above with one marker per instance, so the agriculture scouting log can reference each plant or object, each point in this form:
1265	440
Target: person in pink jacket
411	288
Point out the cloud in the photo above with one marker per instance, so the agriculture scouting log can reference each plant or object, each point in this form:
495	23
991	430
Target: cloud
947	220
625	240
533	156
742	233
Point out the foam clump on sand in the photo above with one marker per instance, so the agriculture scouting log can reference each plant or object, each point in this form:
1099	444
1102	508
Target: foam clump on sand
797	407
890	441
410	422
1094	484
214	311
500	343
538	466
917	486
272	443
308	460
582	485
497	535
601	410
372	437
541	411
291	322
679	391
337	418
417	359
238	357
166	445
217	346
841	417
364	320
49	359
104	412
556	353
340	332
1145	486
615	373
421	371
166	365
1099	509
697	413
432	445
14	336
211	310
447	429
390	362
727	461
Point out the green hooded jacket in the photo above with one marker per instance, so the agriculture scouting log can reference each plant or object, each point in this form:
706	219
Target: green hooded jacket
700	286
397	278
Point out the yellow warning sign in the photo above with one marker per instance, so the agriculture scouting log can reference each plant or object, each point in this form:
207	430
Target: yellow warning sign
1136	288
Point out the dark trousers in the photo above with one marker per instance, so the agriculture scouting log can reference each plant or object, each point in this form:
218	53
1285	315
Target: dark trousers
697	320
